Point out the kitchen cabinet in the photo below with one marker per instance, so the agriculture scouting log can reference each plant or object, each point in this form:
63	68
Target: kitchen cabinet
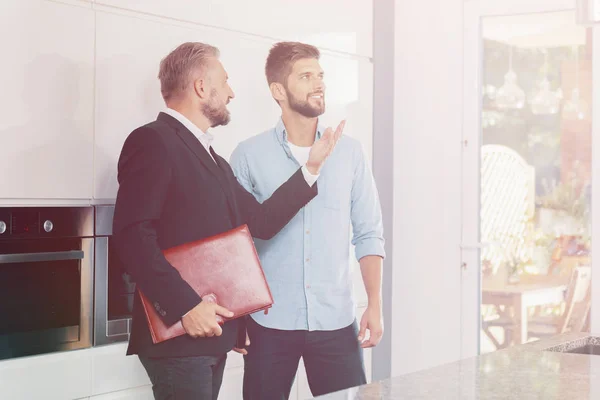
113	370
106	373
340	25
128	53
233	379
138	393
46	129
65	375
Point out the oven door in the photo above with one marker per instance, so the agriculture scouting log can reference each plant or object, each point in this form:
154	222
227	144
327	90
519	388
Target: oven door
114	295
46	293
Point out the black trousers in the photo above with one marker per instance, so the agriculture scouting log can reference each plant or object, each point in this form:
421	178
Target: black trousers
185	378
333	361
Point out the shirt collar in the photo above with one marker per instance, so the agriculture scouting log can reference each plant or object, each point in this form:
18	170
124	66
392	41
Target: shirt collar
282	134
204	137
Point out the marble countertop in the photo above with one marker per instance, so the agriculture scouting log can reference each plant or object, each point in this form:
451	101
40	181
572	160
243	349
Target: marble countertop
528	371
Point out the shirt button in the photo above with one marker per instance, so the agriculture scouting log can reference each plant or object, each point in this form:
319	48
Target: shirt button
307	232
308	286
308	259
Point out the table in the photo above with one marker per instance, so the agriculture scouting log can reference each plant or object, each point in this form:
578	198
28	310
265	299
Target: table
520	296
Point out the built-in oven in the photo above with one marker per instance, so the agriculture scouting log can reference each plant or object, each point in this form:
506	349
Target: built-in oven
114	289
46	287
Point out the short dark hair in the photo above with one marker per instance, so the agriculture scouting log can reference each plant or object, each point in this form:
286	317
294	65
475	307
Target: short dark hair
282	57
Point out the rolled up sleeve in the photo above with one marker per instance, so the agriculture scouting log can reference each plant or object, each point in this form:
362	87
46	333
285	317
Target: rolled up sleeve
367	224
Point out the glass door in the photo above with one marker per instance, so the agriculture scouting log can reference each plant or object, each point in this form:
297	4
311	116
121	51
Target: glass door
527	173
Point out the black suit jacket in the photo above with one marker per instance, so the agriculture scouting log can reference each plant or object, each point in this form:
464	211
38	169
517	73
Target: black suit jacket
172	192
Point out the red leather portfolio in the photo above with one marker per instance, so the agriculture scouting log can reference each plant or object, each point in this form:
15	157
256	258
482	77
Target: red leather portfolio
224	268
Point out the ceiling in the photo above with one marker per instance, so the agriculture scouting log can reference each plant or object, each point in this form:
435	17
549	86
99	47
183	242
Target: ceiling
557	29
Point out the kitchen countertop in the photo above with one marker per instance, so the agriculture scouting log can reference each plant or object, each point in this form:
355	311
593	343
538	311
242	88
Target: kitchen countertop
527	371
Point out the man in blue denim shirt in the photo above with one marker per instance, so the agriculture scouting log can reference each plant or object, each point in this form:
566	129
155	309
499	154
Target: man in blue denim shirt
307	264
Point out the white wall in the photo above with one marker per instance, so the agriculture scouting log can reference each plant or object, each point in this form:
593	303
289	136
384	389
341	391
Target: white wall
427	160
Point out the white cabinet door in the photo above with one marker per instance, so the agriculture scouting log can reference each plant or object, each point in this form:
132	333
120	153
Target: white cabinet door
59	376
231	389
129	50
302	383
46	129
113	370
341	25
138	393
234	360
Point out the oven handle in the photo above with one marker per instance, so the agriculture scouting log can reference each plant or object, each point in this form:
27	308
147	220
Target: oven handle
40	257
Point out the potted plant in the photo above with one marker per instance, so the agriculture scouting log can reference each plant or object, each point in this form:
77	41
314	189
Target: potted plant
564	210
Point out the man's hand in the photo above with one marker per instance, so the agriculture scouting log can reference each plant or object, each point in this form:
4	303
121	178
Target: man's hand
243	351
372	320
201	321
323	148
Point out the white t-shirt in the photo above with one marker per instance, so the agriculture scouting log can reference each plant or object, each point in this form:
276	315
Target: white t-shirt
300	153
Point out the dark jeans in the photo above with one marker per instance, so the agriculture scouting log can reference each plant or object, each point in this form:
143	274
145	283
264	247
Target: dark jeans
333	361
185	378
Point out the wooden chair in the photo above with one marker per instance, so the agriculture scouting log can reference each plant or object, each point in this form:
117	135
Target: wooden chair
577	308
572	319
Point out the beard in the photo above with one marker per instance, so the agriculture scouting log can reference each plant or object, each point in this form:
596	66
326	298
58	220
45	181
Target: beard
303	107
216	111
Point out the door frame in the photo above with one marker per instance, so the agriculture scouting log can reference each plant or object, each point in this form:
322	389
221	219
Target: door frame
474	12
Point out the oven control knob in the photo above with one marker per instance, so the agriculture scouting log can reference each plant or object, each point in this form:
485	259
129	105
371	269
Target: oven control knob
48	226
2	227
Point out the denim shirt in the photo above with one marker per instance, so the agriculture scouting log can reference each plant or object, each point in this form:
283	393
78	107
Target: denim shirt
307	264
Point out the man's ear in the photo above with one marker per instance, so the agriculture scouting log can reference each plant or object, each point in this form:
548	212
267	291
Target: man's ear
200	88
278	91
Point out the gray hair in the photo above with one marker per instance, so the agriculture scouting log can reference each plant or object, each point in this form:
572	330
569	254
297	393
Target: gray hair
177	69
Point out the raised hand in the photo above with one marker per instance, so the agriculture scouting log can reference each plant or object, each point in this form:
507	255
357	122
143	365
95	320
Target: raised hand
323	147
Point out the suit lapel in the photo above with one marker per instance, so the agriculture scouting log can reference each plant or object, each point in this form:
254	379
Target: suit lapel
191	142
200	152
229	189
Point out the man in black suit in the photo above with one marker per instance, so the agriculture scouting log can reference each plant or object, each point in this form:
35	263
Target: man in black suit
174	189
